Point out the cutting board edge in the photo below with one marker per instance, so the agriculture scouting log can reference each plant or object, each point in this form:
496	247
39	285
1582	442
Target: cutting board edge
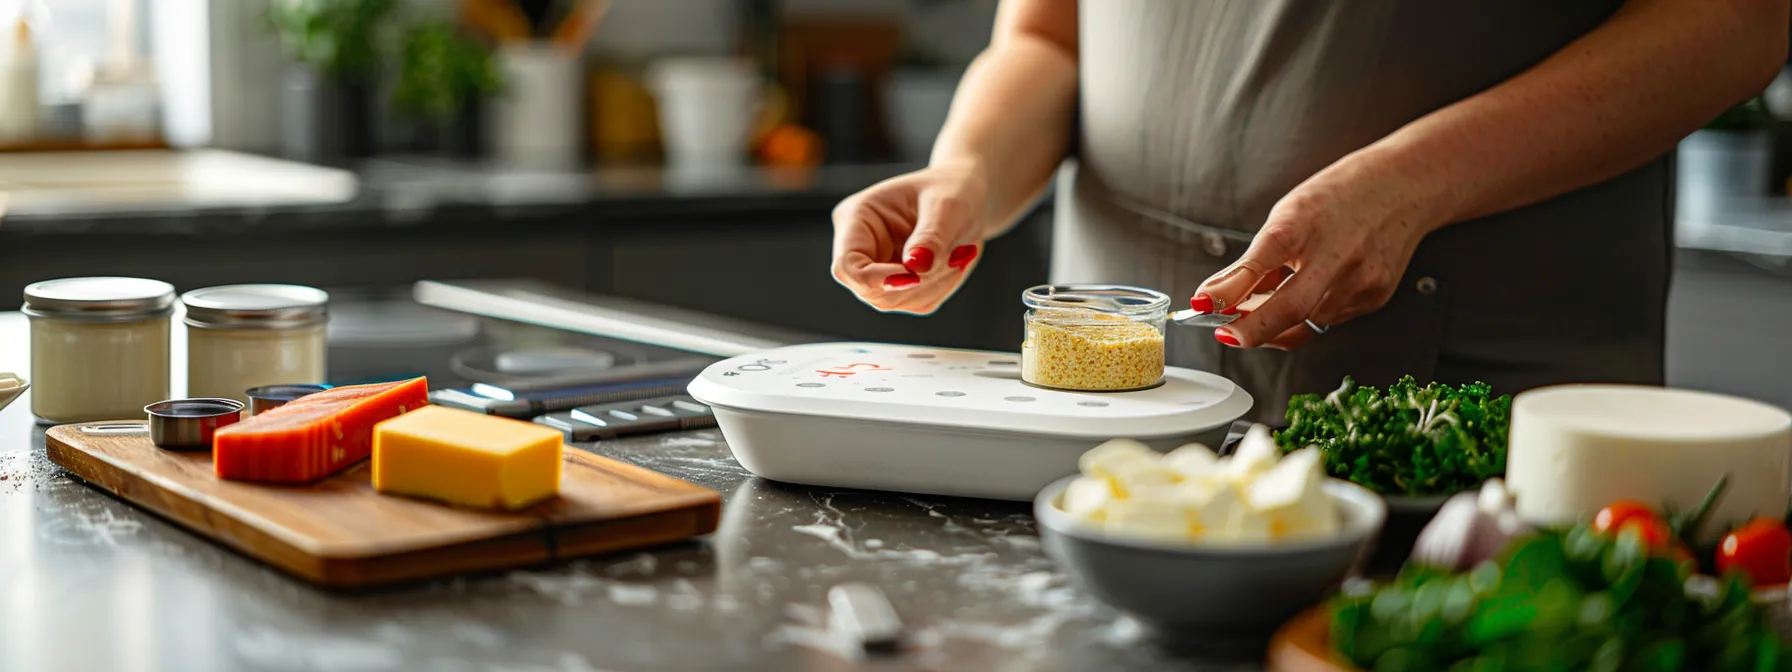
232	512
692	510
692	495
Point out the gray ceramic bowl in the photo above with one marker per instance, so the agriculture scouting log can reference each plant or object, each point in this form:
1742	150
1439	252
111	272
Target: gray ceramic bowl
1210	591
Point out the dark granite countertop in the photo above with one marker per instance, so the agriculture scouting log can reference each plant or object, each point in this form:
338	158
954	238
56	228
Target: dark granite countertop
92	583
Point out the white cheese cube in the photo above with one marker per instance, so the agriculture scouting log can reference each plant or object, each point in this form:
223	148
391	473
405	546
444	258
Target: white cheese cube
1108	458
1213	505
1088	497
1256	453
1193	461
1246	526
1290	496
1130	476
1157	518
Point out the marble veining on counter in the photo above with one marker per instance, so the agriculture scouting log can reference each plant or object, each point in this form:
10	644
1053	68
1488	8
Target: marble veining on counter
93	583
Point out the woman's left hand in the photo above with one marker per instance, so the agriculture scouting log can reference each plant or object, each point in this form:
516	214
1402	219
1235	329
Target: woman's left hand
1333	249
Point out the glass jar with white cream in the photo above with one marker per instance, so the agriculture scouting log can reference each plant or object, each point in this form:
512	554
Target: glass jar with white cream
99	347
246	336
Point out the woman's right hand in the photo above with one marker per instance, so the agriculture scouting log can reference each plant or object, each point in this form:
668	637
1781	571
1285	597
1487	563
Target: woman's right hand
906	244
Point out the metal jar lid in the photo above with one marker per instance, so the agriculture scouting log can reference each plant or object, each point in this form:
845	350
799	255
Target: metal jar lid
256	307
101	299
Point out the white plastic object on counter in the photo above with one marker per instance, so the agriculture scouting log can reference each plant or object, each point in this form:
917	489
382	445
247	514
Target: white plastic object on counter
246	336
99	347
939	421
862	614
1577	448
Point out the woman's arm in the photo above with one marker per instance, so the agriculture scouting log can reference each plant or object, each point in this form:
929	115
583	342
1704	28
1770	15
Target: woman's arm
1010	120
907	243
1608	102
1617	97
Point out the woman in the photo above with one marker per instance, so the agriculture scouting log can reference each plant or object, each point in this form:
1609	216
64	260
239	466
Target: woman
1457	191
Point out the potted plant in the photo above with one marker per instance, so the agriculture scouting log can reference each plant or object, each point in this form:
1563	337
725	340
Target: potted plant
442	78
1728	161
333	49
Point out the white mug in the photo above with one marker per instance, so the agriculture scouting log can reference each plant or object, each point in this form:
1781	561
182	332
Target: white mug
535	121
708	109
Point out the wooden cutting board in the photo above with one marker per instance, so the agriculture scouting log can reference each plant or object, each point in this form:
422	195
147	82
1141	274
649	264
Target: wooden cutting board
339	533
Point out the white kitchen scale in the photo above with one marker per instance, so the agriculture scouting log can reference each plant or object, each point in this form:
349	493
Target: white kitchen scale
939	421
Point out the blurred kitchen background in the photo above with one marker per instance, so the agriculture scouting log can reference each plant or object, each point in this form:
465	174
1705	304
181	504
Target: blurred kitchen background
684	152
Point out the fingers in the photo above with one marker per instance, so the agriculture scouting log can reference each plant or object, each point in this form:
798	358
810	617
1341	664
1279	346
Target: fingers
1273	248
941	223
1287	308
862	244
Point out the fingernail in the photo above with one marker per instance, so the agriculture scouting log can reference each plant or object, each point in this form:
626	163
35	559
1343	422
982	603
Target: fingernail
1225	336
901	281
920	260
962	256
1201	303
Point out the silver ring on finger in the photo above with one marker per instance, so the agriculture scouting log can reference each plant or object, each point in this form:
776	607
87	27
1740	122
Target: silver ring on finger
1316	328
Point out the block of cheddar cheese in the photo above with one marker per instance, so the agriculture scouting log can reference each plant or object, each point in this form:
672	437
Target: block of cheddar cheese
466	458
313	436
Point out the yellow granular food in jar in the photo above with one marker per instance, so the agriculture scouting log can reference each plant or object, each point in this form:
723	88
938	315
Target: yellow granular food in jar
1087	350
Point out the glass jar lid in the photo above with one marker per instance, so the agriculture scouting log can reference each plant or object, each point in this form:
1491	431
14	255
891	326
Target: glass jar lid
256	307
100	299
1131	302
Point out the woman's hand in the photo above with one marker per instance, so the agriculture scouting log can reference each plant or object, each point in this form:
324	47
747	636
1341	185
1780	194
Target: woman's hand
907	243
1333	249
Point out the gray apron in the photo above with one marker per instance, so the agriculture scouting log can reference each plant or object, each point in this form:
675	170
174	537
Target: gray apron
1197	115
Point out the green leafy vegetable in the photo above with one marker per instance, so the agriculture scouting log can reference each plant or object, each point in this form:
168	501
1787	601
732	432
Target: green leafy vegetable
1410	440
440	71
1560	600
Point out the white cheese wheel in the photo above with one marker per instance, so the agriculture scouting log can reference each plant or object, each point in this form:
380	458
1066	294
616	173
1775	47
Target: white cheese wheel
1577	448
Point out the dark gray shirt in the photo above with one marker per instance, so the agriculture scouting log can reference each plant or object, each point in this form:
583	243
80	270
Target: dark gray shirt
1203	113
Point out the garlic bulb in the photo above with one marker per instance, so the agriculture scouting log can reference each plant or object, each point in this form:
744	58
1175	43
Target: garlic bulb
1472	527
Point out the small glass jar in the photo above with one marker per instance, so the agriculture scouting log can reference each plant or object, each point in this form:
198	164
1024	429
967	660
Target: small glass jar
246	336
99	347
1094	338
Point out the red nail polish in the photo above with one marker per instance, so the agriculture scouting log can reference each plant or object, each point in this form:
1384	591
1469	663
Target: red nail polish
901	281
962	256
1226	337
920	260
1201	303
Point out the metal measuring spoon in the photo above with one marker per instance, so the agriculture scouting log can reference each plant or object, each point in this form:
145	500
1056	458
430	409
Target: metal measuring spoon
1189	318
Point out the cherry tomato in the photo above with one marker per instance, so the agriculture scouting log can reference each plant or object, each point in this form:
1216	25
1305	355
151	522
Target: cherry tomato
1762	549
1658	537
1618	514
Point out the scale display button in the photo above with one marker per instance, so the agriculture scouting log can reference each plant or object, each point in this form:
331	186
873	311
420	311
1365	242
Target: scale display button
879	389
1019	399
950	393
811	384
754	367
624	415
655	410
1092	404
1003	362
920	356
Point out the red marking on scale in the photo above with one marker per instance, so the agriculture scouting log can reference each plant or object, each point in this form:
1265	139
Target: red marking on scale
847	370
